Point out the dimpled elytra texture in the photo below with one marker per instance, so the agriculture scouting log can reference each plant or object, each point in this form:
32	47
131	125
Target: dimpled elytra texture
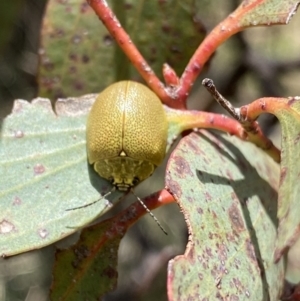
128	117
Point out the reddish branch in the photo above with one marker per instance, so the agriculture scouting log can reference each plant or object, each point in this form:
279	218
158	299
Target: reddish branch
170	76
112	24
265	105
173	95
126	218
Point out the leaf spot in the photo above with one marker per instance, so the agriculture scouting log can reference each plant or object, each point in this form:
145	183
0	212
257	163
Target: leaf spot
6	227
237	283
17	201
73	57
108	40
222	254
174	188
76	39
19	134
85	59
81	253
208	196
43	233
110	272
237	263
297	139
194	147
214	214
250	250
200	210
38	169
234	298
236	219
283	173
229	174
182	167
84	7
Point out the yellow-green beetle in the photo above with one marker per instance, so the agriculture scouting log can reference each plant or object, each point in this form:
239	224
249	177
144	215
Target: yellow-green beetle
126	134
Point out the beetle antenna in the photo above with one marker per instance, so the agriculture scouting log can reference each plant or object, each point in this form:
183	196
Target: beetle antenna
148	210
89	204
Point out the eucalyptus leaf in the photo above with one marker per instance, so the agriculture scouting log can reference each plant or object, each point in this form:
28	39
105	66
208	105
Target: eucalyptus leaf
227	190
267	12
45	173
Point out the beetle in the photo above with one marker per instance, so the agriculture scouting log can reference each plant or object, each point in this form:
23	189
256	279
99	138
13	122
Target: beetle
126	134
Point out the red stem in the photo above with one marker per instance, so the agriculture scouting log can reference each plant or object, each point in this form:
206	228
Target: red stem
187	120
222	32
174	97
271	105
126	218
216	37
112	24
170	75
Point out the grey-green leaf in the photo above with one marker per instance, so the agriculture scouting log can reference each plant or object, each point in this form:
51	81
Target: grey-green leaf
44	172
226	189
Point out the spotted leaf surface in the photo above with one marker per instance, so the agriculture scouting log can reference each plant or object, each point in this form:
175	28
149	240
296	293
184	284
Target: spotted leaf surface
79	56
88	269
155	28
77	52
266	12
44	172
287	110
226	189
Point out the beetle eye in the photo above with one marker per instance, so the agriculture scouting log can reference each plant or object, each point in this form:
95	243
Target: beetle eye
135	181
